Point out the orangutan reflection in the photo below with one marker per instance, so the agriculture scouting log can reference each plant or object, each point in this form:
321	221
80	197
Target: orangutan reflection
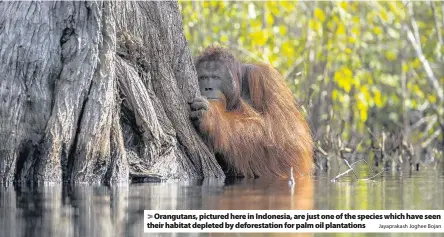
261	194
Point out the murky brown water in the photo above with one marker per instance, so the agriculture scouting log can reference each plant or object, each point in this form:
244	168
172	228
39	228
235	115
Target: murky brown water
117	211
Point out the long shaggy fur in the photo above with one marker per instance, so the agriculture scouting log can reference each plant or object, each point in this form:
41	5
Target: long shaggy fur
265	138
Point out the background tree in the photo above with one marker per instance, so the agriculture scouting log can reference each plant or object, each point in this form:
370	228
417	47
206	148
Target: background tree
97	92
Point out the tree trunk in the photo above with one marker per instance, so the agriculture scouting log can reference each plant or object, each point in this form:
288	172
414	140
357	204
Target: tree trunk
97	92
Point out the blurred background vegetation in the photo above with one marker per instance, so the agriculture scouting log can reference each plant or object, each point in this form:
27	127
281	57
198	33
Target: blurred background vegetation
368	75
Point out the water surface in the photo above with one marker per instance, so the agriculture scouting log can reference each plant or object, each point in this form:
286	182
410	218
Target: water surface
55	210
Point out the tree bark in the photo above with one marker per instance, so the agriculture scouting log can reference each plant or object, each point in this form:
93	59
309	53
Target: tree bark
97	92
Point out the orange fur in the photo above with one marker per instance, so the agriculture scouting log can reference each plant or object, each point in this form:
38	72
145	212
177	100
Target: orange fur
265	138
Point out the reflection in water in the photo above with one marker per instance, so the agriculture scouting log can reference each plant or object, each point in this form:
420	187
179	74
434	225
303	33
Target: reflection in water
117	211
263	195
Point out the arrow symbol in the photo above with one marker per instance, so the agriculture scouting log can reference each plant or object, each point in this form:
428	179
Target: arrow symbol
150	216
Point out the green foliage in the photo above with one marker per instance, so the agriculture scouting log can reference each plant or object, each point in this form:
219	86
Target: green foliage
354	56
